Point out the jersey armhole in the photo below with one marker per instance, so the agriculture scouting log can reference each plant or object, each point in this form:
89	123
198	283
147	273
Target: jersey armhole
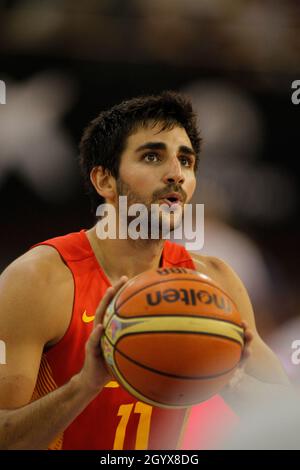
49	347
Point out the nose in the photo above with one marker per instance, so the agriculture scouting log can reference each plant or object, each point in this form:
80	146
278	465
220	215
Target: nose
174	173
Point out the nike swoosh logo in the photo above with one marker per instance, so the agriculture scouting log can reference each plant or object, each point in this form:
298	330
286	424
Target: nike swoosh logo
112	384
87	318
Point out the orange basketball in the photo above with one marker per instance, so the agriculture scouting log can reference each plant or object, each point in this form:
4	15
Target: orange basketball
172	337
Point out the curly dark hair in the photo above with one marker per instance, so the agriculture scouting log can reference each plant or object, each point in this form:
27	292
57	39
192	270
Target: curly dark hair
104	139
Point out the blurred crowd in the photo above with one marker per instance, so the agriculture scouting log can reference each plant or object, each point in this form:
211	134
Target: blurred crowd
261	36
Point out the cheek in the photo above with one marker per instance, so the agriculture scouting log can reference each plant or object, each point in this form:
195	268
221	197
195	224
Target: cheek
189	186
139	183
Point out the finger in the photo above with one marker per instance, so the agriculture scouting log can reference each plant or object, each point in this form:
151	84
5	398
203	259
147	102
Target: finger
245	325
120	282
248	333
94	346
103	305
249	336
107	298
94	339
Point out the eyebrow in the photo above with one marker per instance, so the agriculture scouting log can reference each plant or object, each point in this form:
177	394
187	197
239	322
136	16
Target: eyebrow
162	146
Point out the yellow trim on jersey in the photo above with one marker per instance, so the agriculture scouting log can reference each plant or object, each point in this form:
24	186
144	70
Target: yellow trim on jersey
45	384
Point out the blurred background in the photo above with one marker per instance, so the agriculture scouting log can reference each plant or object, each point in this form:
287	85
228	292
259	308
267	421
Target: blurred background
65	61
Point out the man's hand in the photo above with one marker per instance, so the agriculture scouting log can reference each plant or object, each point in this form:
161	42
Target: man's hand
248	338
238	376
95	374
244	391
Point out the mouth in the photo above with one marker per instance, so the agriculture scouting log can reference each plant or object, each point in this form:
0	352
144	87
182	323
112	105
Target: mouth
172	199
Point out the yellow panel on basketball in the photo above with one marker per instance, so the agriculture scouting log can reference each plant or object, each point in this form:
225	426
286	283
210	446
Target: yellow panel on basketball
173	337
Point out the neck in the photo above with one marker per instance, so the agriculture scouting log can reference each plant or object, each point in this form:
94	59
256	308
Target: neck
125	257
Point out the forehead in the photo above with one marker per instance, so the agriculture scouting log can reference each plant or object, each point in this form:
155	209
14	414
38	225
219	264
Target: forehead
173	138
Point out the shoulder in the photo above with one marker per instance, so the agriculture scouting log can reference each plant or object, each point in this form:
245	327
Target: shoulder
215	267
222	272
33	287
37	268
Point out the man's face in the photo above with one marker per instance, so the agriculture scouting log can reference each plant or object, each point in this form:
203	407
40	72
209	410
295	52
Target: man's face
157	167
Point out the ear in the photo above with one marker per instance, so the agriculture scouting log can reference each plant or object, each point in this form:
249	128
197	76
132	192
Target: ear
104	183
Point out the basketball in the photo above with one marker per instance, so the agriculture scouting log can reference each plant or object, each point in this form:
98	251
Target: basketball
172	337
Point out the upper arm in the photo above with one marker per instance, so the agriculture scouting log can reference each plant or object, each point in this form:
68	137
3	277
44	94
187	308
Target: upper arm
26	325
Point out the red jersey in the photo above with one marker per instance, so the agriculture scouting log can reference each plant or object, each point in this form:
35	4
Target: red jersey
114	419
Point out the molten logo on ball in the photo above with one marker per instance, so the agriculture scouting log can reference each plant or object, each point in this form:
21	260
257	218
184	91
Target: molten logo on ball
188	297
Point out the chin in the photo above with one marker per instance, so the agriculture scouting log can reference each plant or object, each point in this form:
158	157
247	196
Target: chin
169	221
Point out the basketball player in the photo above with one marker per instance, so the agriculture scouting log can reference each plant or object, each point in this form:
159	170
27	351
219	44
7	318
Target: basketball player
55	390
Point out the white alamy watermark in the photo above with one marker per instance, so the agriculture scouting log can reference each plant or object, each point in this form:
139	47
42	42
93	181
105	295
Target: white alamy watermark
2	352
295	357
296	94
159	221
2	92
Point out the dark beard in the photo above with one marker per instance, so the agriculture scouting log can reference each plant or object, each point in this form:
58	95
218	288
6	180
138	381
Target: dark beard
134	198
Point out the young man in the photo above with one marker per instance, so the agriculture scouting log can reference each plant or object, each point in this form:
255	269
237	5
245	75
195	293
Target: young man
55	390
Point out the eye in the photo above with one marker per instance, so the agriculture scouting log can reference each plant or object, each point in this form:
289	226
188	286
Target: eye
186	161
151	157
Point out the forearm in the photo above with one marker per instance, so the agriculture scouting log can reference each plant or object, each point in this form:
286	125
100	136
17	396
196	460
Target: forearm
36	425
264	365
245	393
261	379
